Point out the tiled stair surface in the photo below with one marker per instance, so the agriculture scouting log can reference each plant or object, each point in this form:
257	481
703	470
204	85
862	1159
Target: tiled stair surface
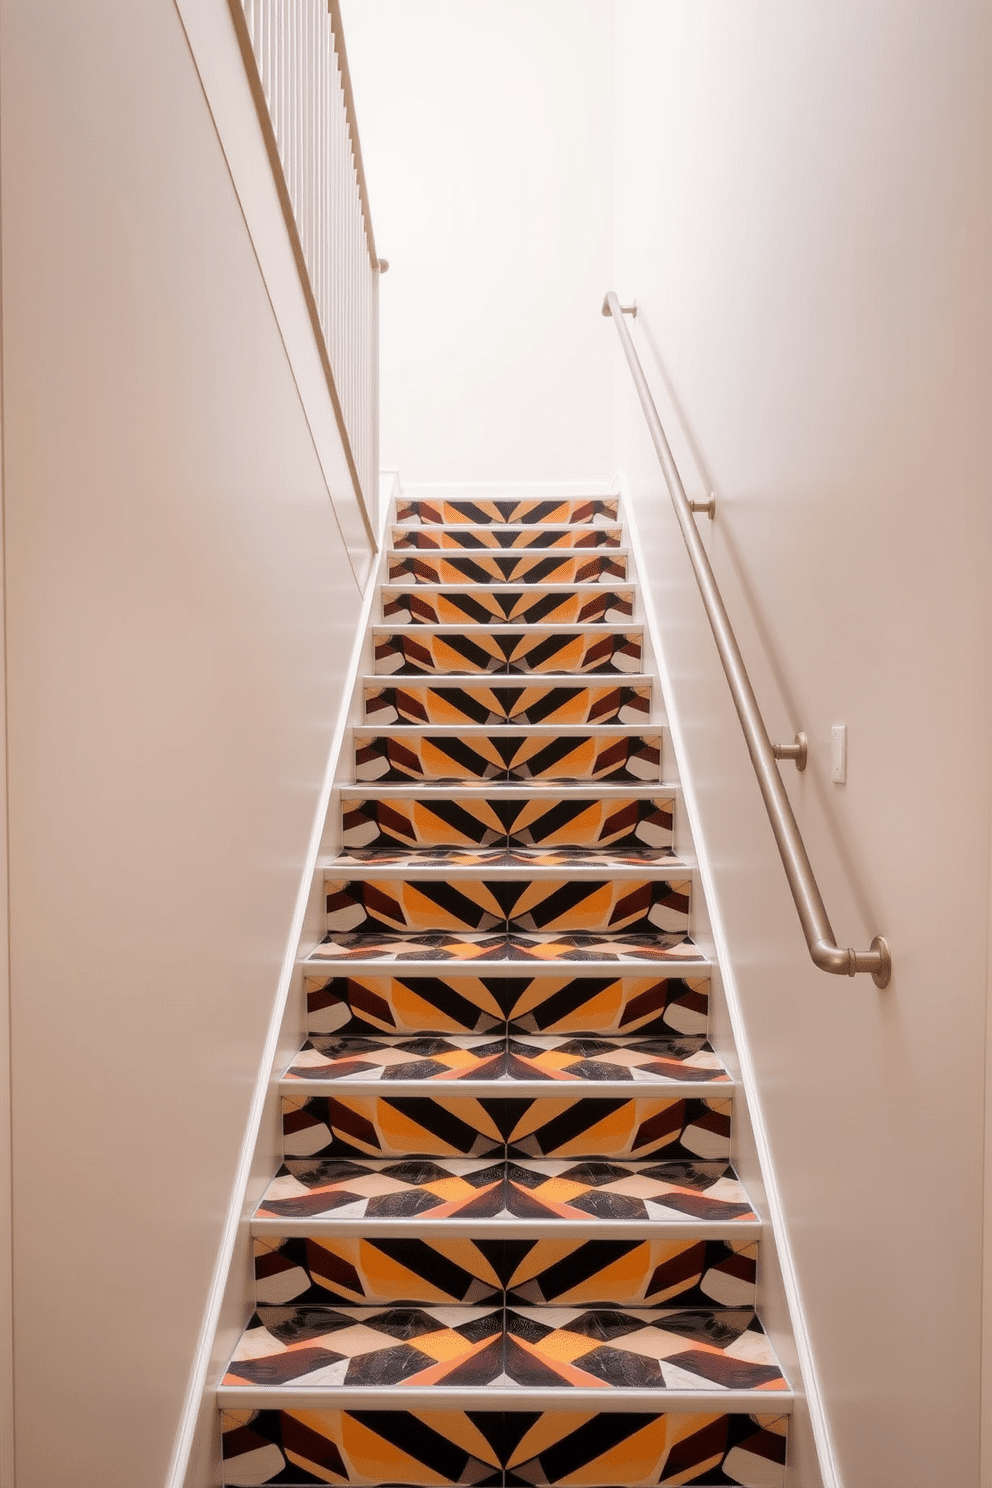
506	1245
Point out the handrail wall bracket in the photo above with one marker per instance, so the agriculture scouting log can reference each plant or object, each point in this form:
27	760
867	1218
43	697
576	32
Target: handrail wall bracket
820	938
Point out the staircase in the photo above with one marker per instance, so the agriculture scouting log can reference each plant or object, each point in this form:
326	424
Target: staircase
506	1245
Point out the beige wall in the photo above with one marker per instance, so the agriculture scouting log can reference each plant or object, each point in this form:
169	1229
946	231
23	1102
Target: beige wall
803	217
180	607
486	132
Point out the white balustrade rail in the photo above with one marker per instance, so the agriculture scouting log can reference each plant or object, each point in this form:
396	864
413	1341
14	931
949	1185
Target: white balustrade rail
295	55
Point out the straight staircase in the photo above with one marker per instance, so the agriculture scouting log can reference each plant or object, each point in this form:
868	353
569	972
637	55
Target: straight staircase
506	1246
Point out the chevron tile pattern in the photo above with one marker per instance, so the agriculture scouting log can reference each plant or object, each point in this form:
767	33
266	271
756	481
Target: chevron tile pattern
506	1245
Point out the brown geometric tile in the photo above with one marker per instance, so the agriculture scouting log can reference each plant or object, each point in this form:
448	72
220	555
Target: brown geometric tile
493	705
579	604
610	757
377	1188
640	1348
377	824
403	1005
503	651
568	905
377	1271
425	1057
432	1449
362	1346
471	947
557	566
594	1126
437	512
465	536
552	1057
608	1004
622	1190
630	1273
354	1125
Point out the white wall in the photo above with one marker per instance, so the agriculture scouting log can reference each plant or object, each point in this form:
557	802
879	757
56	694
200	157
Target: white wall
486	133
180	604
803	217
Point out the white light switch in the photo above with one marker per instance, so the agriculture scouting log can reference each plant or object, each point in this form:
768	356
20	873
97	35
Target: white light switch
838	753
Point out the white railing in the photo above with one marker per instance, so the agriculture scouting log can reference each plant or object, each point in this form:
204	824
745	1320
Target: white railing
297	64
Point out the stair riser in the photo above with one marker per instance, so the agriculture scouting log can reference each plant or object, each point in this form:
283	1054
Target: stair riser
478	1272
543	756
412	653
620	906
493	706
546	1004
634	822
598	567
506	606
464	537
435	1449
580	512
542	1127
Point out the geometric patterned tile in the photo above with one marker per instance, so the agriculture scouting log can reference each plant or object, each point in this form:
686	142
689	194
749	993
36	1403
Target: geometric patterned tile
619	1127
551	1057
616	821
576	605
424	1057
630	1273
617	906
376	1188
640	1348
480	1057
465	948
544	755
531	535
630	1450
453	1004
369	1125
353	1125
390	1004
378	1271
476	1271
562	566
492	705
438	1448
631	1191
362	1346
409	653
432	1449
608	1004
437	512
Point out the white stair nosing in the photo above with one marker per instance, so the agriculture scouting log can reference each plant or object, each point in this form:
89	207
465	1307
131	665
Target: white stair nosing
583	586
509	679
568	790
609	552
503	1088
679	968
510	872
588	627
679	1227
657	1401
484	730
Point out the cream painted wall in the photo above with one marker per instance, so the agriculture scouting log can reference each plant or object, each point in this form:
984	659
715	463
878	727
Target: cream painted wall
803	215
486	133
179	611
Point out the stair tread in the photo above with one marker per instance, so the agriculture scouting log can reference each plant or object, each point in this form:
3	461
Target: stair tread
655	1061
502	862
467	948
567	1193
558	1348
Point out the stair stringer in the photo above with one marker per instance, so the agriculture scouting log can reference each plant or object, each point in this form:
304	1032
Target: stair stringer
812	1461
196	1460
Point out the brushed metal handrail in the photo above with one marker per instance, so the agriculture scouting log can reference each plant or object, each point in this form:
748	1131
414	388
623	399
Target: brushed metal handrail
820	938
